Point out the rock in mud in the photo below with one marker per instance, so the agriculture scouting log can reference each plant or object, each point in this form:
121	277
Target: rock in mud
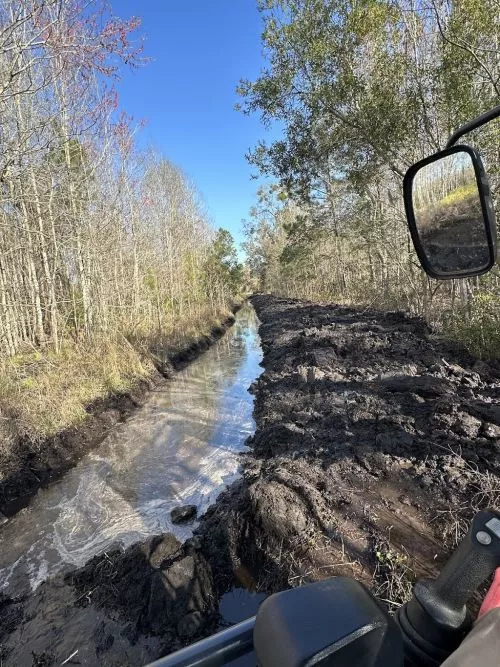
183	513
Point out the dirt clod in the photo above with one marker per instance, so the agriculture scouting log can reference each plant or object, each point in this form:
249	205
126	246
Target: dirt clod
183	513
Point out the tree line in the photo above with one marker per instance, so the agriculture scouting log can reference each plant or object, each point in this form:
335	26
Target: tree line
363	89
97	238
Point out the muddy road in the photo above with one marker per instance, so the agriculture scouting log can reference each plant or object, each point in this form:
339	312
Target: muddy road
375	443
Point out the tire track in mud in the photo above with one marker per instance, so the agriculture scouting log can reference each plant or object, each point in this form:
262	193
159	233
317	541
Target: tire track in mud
375	442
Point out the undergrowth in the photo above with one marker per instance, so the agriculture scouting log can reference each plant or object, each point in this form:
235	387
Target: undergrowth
483	493
43	393
476	325
393	578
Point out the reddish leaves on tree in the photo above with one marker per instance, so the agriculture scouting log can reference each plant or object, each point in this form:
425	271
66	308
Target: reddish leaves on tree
87	36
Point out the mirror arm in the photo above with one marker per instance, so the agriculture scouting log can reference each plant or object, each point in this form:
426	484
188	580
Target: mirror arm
472	125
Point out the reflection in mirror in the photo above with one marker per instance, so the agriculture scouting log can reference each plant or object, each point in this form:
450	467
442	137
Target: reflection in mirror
448	215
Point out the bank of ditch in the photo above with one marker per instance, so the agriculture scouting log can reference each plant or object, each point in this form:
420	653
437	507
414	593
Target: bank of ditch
56	408
376	442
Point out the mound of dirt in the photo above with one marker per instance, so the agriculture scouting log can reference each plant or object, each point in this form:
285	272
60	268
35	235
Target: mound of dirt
375	444
123	608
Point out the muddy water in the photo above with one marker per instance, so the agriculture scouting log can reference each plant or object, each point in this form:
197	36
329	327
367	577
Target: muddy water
181	447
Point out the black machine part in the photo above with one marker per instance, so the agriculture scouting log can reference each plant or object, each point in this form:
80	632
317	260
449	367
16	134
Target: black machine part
473	125
230	648
435	620
331	623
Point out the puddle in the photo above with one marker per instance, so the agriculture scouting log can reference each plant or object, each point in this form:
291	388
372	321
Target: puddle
238	605
182	447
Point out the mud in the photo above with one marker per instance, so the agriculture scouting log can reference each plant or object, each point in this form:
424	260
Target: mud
375	443
37	465
122	608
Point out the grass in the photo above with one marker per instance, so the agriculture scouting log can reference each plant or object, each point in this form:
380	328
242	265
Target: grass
43	393
483	492
393	578
311	557
460	194
476	326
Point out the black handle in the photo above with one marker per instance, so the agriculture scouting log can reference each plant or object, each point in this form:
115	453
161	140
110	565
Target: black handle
435	620
475	559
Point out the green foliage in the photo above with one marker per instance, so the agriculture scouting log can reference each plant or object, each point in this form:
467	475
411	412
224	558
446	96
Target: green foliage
390	558
335	79
222	266
476	325
460	194
303	237
266	236
73	154
150	281
362	90
366	87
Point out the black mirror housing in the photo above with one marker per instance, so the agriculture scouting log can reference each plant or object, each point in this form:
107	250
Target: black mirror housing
450	214
331	623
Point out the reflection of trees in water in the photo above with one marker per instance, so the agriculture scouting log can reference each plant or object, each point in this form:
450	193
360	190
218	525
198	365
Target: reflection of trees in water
198	410
124	490
230	354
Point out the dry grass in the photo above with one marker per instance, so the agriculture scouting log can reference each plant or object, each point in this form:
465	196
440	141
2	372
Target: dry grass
305	559
179	335
484	493
393	578
476	326
300	560
43	393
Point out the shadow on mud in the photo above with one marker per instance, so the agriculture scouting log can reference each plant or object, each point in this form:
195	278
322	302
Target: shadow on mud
121	608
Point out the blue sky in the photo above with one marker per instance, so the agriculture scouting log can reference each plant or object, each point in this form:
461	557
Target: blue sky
200	51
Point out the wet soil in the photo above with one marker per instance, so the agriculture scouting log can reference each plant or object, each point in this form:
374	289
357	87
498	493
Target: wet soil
36	465
122	608
375	443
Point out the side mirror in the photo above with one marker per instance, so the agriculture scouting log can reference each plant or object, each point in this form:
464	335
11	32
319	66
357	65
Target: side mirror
450	214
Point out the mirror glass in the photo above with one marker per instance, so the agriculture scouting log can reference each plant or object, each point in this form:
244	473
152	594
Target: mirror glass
448	215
